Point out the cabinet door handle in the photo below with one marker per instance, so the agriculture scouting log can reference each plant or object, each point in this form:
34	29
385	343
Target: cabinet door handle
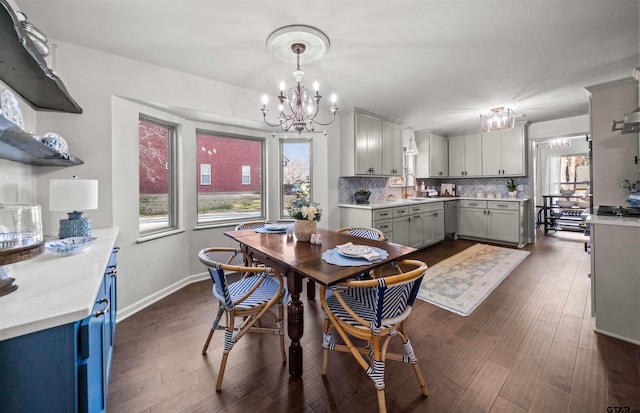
115	250
112	270
502	206
473	204
104	310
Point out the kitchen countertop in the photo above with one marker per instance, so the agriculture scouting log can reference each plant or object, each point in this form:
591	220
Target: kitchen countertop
413	201
608	220
55	290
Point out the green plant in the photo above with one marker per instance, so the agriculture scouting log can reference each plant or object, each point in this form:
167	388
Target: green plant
511	185
362	191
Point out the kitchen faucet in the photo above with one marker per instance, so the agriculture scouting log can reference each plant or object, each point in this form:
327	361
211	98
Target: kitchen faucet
406	181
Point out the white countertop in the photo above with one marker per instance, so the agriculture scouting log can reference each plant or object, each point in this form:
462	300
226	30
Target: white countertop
412	201
55	290
608	220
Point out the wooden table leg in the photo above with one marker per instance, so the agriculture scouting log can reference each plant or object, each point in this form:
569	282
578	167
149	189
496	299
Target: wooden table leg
311	289
295	324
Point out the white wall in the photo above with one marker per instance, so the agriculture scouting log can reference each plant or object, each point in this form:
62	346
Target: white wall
112	91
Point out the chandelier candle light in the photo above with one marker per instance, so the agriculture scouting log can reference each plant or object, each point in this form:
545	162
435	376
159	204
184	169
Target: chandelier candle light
499	118
303	105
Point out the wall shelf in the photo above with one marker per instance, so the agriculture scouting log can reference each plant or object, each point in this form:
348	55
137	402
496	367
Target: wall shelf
25	71
17	145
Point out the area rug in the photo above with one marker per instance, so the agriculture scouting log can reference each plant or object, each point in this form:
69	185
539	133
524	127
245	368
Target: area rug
461	282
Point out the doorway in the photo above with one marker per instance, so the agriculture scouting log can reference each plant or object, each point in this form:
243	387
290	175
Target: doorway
562	186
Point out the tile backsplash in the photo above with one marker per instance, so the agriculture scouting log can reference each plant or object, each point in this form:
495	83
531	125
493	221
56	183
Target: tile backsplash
380	188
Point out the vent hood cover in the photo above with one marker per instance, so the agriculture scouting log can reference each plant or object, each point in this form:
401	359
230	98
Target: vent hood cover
630	124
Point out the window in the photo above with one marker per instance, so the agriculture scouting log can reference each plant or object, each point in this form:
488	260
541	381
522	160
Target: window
237	192
295	171
246	175
157	176
574	173
205	174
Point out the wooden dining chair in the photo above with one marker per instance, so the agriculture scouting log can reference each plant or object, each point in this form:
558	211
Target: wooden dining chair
251	225
259	291
373	311
363	232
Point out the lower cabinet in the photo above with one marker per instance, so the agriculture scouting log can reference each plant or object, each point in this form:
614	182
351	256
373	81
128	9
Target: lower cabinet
417	225
64	368
499	221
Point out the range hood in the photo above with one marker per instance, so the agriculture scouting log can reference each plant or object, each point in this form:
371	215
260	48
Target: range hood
630	124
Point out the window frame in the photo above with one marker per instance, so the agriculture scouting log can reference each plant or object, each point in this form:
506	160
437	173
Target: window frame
172	179
248	135
281	204
248	175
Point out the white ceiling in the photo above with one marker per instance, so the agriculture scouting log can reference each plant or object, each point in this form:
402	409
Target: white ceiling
434	64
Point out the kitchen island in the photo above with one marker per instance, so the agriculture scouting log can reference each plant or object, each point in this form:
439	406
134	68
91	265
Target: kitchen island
419	222
615	276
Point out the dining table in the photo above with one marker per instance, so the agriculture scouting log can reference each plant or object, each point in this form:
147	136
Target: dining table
297	260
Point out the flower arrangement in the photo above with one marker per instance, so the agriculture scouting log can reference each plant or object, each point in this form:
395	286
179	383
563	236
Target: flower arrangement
300	207
630	186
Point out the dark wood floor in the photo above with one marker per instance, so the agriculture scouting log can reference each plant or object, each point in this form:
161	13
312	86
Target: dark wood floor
530	347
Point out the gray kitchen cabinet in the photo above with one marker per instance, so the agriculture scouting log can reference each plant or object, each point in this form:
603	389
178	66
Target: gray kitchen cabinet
465	159
391	148
472	221
499	221
432	160
432	223
504	152
370	144
416	224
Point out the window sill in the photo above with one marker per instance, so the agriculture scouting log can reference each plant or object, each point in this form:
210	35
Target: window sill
151	237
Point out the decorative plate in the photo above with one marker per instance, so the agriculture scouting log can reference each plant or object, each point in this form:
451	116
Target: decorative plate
71	245
354	250
275	227
11	108
56	141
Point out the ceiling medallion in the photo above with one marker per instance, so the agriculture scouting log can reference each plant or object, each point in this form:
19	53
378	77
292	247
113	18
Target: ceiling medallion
298	107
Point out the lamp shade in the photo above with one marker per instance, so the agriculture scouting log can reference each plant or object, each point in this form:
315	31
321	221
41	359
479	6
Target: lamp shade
73	194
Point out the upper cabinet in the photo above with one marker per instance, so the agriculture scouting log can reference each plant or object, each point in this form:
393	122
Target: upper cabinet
504	152
25	71
370	144
391	148
465	155
432	160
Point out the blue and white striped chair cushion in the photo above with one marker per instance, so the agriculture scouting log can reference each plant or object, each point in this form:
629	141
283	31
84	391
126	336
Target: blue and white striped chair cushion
364	233
228	295
377	305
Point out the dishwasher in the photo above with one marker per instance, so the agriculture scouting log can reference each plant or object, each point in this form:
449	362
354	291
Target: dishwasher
450	218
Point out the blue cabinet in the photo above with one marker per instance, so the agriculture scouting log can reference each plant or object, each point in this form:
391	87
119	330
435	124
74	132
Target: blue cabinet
63	368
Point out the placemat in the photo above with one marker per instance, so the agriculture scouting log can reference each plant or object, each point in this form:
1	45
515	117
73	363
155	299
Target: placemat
270	231
332	256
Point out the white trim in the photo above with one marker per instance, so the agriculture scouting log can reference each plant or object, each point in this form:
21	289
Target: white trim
126	312
619	337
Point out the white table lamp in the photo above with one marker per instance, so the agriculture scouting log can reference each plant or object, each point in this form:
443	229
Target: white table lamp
74	195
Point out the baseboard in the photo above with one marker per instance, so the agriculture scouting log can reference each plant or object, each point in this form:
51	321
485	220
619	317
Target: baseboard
619	337
123	313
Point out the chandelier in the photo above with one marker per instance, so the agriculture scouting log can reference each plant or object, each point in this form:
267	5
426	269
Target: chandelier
298	107
499	118
560	143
